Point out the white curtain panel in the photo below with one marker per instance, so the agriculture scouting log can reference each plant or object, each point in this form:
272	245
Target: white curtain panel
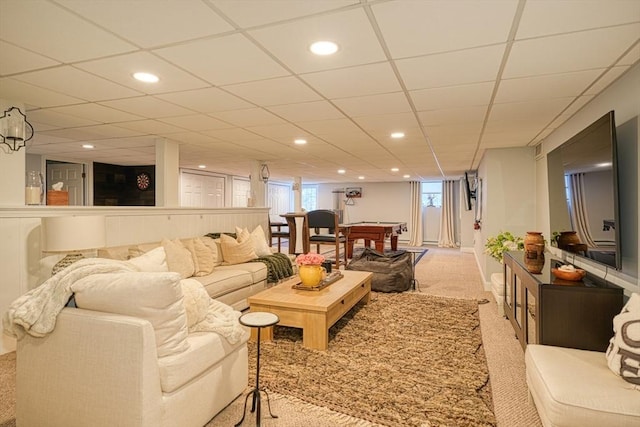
415	222
579	215
447	237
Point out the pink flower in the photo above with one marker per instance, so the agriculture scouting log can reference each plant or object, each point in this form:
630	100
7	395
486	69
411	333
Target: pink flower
309	259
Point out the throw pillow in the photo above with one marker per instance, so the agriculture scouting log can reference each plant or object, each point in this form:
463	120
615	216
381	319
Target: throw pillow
258	240
237	251
178	258
215	248
623	353
156	297
202	256
154	260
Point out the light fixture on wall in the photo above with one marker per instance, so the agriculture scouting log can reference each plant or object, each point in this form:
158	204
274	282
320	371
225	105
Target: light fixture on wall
264	173
72	235
12	129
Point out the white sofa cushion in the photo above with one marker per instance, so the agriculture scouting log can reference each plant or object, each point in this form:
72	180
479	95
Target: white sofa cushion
222	281
205	350
153	261
576	388
156	297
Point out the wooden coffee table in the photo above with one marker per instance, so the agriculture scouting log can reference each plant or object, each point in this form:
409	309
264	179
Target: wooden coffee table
313	311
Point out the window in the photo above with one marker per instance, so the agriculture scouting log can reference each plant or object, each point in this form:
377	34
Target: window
432	194
309	197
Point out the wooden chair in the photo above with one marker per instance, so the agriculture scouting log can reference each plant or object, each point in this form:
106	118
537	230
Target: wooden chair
279	231
324	229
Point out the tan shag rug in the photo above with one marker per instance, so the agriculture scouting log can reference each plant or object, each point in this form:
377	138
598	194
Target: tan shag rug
404	359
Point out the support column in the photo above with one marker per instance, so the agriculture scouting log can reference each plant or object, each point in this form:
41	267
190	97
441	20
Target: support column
297	194
12	167
167	173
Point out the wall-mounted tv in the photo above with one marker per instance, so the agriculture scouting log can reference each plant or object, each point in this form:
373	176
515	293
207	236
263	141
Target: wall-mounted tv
469	190
583	192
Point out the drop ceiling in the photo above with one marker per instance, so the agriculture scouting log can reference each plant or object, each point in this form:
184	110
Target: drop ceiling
238	83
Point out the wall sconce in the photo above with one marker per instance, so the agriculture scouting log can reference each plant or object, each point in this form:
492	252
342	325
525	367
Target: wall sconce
12	129
264	173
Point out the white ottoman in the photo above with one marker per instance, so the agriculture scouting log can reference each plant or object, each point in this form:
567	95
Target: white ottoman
497	289
576	388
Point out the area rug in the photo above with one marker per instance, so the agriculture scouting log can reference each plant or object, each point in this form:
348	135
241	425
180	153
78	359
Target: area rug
404	359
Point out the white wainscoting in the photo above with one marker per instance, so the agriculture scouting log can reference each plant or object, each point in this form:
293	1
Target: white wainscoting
20	251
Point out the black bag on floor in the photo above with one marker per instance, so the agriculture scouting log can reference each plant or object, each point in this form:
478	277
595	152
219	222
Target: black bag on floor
392	272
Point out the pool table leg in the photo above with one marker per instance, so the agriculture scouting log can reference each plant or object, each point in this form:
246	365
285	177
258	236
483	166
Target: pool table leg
394	242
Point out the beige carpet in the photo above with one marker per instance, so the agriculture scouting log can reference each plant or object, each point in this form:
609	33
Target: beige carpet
444	272
404	359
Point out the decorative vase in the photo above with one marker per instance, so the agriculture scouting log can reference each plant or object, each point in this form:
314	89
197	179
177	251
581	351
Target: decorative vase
34	189
532	239
567	238
311	274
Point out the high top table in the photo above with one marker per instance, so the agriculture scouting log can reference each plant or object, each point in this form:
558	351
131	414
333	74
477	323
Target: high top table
257	320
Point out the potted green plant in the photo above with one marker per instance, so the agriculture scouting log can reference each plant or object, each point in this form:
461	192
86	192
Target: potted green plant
502	242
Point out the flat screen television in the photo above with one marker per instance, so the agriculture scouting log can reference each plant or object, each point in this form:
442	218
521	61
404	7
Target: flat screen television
583	192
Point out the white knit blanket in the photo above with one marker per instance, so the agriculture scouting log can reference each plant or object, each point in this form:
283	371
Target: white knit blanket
35	312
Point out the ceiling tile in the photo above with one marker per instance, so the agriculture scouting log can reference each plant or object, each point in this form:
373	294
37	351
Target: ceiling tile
151	127
224	60
304	111
450	69
609	77
452	96
147	106
120	69
249	117
355	81
548	86
62	28
196	122
535	111
231	135
96	112
59	119
15	60
14	90
153	23
283	90
570	52
541	18
388	103
442	26
280	132
388	122
451	116
77	83
252	13
350	29
206	100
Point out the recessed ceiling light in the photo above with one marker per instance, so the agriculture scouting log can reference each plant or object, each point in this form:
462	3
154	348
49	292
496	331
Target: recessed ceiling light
300	141
406	176
394	169
324	48
146	77
361	177
603	165
88	146
397	135
202	166
341	171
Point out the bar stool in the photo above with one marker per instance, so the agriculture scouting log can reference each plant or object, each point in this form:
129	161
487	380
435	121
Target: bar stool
259	320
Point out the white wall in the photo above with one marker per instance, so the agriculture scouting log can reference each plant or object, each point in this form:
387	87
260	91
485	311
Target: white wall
508	200
623	97
20	230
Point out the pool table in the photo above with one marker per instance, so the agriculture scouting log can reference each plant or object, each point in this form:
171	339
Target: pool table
376	231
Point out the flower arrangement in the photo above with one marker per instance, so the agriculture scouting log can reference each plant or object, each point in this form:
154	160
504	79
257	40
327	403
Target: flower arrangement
505	241
309	259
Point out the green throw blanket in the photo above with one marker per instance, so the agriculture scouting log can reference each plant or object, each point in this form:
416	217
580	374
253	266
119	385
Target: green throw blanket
278	266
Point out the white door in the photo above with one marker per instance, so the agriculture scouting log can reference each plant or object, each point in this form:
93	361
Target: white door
201	191
72	177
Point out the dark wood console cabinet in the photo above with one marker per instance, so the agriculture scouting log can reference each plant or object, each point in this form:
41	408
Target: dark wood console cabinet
546	310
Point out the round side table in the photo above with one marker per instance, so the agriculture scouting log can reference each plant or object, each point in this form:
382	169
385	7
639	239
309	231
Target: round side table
257	320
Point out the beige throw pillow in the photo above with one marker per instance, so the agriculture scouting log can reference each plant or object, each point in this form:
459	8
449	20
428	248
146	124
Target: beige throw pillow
156	297
178	258
202	256
237	251
258	240
215	248
154	260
